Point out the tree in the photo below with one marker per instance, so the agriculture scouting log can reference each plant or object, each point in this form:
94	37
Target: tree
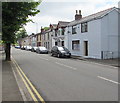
14	16
21	34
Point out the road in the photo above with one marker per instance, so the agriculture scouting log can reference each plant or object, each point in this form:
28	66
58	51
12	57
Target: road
64	79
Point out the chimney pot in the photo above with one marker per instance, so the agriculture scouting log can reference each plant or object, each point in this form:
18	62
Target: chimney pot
80	12
76	11
78	16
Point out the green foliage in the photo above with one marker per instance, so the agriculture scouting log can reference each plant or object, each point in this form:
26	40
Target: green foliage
14	16
21	34
46	28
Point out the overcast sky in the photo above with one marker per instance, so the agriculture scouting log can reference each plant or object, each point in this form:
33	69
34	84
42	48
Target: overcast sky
64	10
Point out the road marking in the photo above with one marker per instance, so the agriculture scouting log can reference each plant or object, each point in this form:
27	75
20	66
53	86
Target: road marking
66	66
38	95
108	80
29	90
21	91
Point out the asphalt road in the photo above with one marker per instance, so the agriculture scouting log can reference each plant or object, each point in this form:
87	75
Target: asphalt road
62	79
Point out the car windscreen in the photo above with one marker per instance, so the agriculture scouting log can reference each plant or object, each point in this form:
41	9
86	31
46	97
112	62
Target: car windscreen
65	49
60	48
43	48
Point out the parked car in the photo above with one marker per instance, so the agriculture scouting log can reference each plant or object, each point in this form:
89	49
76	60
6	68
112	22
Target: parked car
23	47
28	48
42	49
17	46
60	52
34	49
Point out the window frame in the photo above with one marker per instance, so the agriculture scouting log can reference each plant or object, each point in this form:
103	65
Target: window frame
84	27
75	45
74	29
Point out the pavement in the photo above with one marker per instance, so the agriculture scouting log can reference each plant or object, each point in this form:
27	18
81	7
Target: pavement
10	90
110	62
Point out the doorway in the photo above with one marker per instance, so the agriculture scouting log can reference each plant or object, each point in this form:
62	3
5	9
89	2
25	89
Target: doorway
86	48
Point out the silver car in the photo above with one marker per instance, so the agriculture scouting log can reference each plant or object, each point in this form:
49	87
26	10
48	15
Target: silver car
34	49
42	50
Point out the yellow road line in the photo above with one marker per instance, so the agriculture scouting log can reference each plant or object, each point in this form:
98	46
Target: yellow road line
34	89
29	90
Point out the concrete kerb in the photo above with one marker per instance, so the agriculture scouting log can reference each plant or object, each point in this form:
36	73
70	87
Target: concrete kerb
109	62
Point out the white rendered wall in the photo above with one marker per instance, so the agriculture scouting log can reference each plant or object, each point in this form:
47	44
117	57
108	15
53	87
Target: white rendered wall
92	36
109	35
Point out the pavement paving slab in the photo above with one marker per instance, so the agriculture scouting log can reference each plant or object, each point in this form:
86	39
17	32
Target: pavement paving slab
10	90
0	76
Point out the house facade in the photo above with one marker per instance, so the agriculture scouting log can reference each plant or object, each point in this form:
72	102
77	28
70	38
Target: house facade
94	36
58	37
33	40
38	39
47	39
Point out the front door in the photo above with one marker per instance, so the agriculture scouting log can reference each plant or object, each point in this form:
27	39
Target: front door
86	48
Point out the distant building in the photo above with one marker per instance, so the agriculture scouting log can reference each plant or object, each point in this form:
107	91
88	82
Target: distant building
59	34
33	40
47	39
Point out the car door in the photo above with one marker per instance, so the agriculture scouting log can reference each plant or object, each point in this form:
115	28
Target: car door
56	51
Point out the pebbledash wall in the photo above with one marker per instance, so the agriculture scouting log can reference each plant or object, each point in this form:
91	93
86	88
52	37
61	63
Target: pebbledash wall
102	37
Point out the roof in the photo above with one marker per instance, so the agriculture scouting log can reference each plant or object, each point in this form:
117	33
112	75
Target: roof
53	25
63	23
95	16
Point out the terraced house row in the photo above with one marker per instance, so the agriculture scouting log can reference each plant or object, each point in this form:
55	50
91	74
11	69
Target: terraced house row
93	36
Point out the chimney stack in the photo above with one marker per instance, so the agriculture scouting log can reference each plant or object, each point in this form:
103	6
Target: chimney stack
78	16
42	29
76	12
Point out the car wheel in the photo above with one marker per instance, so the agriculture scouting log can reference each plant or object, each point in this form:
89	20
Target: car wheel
58	55
51	54
69	56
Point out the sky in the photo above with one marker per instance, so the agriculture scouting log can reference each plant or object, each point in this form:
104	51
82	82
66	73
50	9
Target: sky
53	11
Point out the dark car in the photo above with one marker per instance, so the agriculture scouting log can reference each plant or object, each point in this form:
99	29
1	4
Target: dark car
60	51
42	50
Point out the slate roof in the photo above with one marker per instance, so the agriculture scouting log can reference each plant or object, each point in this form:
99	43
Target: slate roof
95	16
54	25
63	23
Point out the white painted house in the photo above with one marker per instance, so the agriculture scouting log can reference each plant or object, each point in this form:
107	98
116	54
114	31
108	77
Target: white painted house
59	33
94	36
47	39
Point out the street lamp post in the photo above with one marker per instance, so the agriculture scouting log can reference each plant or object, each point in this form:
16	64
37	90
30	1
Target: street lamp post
36	27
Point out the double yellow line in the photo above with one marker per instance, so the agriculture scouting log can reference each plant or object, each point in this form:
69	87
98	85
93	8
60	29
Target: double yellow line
28	84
